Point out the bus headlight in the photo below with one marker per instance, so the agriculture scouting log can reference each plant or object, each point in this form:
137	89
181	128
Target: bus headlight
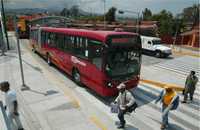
110	84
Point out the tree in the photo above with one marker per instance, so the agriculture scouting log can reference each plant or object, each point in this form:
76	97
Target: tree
74	10
191	14
147	14
65	12
166	21
110	15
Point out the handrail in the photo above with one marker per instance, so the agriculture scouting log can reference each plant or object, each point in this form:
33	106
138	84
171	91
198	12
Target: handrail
5	117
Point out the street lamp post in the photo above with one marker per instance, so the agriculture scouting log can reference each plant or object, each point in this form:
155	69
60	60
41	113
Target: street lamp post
176	33
4	23
24	87
104	14
104	18
138	15
2	40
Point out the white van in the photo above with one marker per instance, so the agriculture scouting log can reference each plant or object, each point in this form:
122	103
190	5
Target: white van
154	45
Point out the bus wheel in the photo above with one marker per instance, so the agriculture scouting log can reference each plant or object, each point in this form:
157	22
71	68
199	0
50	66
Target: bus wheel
49	60
76	76
158	54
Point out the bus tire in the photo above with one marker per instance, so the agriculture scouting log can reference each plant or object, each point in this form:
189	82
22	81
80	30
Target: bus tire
76	76
158	54
49	60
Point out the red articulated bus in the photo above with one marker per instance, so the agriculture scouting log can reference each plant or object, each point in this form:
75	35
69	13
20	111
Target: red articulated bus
98	59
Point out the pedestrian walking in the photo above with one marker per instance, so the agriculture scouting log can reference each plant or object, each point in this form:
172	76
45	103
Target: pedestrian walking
11	105
170	101
190	86
126	103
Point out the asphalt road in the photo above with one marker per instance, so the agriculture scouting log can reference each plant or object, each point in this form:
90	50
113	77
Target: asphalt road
148	60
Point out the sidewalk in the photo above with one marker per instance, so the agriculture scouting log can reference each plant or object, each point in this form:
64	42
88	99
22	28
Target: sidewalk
51	103
185	50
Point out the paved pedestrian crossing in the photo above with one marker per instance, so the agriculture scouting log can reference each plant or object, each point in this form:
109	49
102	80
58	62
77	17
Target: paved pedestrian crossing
182	65
187	116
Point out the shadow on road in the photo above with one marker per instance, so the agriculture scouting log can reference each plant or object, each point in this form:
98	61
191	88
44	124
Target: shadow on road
130	127
140	95
150	54
127	126
27	63
47	93
175	127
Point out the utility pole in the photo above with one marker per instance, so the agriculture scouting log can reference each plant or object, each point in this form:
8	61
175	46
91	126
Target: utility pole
138	22
4	23
24	87
138	16
177	29
2	40
104	18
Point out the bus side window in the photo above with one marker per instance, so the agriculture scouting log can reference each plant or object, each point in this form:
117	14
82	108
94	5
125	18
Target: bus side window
36	36
67	43
43	38
95	52
60	41
79	47
47	38
83	47
52	40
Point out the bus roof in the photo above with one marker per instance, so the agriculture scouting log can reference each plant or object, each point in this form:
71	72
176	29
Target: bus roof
96	34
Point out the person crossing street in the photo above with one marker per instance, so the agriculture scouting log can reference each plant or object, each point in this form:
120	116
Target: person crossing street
125	100
190	86
170	101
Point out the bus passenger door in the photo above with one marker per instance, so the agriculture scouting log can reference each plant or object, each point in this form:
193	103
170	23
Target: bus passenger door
94	67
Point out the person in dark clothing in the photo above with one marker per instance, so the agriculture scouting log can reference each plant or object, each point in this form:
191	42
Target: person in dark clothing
190	86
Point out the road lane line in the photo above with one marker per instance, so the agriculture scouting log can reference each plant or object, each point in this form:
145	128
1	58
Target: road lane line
98	123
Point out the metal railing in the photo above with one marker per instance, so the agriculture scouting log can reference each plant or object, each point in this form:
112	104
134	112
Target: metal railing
5	118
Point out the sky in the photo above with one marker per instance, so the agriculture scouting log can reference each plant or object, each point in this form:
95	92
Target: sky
97	6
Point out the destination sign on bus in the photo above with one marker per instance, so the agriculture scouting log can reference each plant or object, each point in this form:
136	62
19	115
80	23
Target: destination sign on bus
124	41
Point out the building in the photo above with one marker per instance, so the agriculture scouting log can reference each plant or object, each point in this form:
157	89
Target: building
191	38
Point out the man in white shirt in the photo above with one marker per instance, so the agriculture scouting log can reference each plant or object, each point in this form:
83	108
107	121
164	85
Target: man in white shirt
125	100
11	104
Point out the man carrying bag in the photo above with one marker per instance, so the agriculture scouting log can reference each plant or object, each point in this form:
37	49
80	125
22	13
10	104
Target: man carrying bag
125	102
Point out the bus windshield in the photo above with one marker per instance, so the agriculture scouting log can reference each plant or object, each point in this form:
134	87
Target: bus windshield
122	62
